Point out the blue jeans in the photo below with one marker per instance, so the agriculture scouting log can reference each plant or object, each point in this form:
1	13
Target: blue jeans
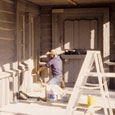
55	80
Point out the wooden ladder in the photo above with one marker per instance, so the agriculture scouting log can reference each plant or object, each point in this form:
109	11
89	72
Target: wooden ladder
92	58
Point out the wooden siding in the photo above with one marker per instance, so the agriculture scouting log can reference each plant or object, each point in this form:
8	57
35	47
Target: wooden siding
7	31
28	43
78	34
112	32
7	49
12	73
45	38
47	24
27	20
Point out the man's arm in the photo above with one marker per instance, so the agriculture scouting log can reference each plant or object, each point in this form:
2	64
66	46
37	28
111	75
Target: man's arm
40	69
48	64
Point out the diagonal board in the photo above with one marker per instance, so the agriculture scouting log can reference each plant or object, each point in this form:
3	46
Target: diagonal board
92	57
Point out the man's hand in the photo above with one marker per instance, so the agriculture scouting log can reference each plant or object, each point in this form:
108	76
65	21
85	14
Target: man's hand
37	72
40	69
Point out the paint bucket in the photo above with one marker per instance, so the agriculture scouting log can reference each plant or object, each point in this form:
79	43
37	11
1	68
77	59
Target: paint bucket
91	100
53	97
64	99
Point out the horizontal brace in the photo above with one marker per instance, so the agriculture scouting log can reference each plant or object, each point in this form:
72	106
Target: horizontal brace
94	74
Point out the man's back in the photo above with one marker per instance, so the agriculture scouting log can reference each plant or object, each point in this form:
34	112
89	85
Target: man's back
56	65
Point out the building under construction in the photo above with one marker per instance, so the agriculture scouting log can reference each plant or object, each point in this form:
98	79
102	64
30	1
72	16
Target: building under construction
31	28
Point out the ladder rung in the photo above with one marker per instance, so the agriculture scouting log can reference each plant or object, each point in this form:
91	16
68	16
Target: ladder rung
95	74
91	84
91	88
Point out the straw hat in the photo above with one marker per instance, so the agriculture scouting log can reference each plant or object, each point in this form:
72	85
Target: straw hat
54	52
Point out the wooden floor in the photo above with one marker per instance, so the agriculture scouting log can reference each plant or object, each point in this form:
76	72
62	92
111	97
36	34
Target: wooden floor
31	107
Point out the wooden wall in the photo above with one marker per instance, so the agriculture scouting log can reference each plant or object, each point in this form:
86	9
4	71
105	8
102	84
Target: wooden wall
7	31
27	20
46	30
13	29
7	49
112	32
28	36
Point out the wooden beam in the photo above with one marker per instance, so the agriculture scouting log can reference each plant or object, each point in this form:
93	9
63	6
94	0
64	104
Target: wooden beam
4	38
8	12
4	21
7	29
9	1
94	74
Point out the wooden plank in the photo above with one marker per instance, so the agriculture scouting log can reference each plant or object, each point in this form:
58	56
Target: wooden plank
6	21
72	56
7	29
88	39
71	72
23	39
84	32
7	17
68	35
106	36
55	31
7	34
110	63
7	25
99	69
68	44
106	75
4	75
19	30
7	7
9	45
66	72
76	40
7	57
25	6
76	34
86	11
37	42
93	30
8	51
7	12
9	1
4	38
